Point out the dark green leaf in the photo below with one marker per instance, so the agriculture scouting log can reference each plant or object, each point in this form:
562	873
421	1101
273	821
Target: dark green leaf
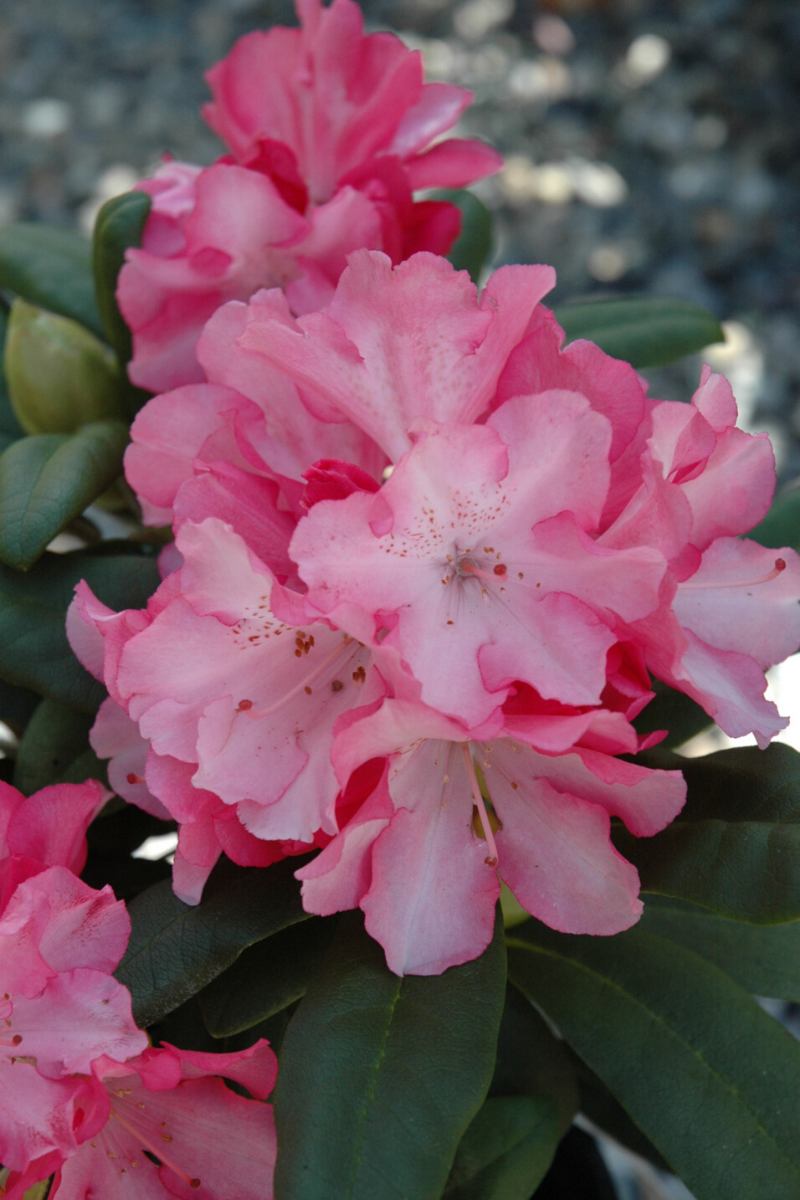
48	479
646	331
56	735
781	525
762	959
51	268
176	949
702	1070
17	705
532	1061
474	244
34	651
120	224
600	1106
86	766
735	847
380	1076
506	1151
675	712
10	428
266	977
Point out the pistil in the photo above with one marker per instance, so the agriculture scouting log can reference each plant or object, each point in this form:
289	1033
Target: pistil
780	566
147	1144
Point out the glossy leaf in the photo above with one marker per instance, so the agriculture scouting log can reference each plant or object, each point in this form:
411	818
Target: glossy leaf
702	1070
605	1111
506	1151
473	245
266	977
646	331
176	949
52	268
681	716
34	651
48	479
381	1075
119	225
56	735
765	960
735	847
781	525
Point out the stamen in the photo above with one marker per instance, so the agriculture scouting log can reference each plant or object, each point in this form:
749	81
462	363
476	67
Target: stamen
257	713
131	778
477	798
14	1041
147	1144
466	567
780	565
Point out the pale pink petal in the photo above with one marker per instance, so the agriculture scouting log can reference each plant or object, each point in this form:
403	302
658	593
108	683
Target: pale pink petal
433	894
744	598
612	387
38	1116
405	342
80	1015
116	737
556	855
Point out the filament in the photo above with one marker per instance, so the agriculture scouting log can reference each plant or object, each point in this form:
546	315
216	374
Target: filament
477	797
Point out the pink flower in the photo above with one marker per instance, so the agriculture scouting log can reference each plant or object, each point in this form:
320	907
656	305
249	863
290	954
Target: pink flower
474	561
316	105
732	609
236	694
60	1009
46	829
249	418
329	130
423	858
210	1142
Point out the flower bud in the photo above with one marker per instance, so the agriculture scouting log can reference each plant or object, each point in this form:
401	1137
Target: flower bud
59	375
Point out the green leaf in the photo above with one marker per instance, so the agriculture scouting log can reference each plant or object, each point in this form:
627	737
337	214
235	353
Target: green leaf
781	525
532	1061
266	977
34	651
380	1075
735	847
646	331
119	225
702	1070
86	766
48	479
473	245
601	1107
675	712
56	735
51	268
506	1151
176	949
17	705
762	959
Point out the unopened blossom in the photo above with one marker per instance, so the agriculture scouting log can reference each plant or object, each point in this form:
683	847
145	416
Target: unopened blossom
424	858
173	1104
330	133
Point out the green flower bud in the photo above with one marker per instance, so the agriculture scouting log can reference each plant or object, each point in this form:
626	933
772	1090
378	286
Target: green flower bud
59	374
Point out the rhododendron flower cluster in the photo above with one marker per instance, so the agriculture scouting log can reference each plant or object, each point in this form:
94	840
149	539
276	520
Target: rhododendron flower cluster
426	559
81	1094
329	131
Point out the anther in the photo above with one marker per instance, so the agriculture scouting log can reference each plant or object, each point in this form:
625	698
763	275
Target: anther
244	705
131	778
